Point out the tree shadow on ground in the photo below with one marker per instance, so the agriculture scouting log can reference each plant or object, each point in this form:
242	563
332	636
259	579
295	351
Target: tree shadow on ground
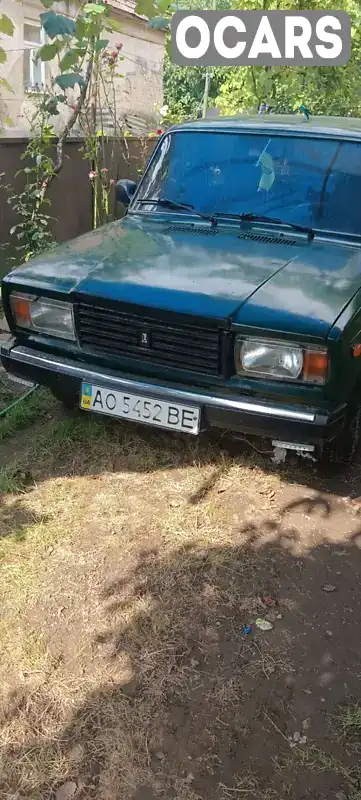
81	444
183	702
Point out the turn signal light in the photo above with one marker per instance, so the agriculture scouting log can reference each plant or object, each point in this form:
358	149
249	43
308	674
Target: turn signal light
356	350
315	366
20	306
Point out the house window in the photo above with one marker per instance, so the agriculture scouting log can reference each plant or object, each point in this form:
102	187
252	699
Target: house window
34	73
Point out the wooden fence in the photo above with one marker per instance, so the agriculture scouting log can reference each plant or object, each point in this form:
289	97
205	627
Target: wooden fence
70	192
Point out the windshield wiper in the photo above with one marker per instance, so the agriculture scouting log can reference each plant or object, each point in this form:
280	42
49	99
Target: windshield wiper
164	202
250	217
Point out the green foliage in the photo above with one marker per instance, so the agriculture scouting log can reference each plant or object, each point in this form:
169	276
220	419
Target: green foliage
146	8
80	41
113	25
159	23
94	8
69	60
184	88
32	231
323	90
101	44
7	28
68	81
57	25
48	51
6	85
6	25
86	65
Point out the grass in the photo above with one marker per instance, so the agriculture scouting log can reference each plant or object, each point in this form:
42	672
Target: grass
350	722
248	786
315	759
130	563
25	413
9	481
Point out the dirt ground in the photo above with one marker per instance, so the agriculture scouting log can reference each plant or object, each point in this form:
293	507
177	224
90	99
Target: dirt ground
133	564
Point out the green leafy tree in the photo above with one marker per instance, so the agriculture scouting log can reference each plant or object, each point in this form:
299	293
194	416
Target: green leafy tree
79	47
324	90
184	89
183	86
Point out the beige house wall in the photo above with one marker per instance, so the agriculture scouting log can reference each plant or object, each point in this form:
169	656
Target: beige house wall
137	92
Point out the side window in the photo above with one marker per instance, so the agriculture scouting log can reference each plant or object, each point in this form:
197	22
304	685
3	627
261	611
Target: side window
34	72
157	174
344	181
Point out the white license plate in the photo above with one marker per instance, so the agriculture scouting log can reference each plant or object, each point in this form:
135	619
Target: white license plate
141	409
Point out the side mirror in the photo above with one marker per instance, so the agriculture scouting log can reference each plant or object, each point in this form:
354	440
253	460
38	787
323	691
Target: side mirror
124	191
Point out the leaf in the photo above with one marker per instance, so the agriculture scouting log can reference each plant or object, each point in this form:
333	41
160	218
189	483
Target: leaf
159	23
6	85
80	28
57	25
164	5
113	25
8	121
94	8
6	25
48	51
3	56
146	9
101	44
52	107
69	81
47	3
69	60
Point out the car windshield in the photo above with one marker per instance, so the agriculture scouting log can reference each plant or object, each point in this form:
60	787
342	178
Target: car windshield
314	182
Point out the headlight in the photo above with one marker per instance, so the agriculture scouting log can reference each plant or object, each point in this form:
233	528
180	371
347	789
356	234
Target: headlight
262	358
43	315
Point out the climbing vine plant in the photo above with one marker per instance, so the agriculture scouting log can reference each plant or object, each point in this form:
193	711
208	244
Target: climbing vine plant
6	29
86	67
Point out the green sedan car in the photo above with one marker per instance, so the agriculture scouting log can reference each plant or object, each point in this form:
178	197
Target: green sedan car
229	295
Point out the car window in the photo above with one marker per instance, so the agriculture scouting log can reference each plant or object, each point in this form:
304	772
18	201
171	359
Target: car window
314	182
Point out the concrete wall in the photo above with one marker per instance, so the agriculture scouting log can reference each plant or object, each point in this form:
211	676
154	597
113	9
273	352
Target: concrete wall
136	93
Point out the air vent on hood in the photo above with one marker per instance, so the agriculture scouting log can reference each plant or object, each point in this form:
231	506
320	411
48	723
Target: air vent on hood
258	237
189	229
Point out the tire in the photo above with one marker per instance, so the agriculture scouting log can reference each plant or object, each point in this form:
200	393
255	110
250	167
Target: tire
344	447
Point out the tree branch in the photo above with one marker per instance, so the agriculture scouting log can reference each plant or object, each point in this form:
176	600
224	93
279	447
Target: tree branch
68	128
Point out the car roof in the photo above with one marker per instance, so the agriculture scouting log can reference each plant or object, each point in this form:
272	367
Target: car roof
334	127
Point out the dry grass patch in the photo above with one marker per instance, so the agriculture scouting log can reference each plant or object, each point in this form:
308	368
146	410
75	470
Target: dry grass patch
131	562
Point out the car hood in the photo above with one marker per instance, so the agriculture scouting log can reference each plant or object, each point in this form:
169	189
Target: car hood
258	281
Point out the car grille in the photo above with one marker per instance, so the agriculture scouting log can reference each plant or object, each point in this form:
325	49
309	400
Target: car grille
165	340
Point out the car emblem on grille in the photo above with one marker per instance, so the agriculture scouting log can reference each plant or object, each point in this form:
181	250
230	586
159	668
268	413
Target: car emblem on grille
145	339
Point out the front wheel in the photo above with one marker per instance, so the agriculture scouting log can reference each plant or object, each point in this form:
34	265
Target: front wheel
344	447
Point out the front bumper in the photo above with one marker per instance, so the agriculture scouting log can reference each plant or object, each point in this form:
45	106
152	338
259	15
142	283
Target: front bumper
291	423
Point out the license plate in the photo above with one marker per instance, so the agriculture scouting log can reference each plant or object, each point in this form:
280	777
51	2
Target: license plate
140	409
